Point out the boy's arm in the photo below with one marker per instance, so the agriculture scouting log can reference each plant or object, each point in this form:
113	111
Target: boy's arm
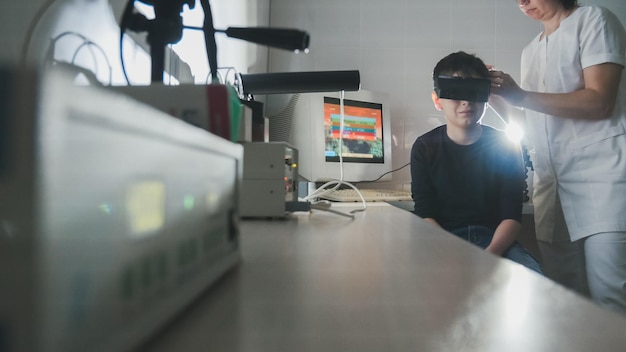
506	233
421	185
432	221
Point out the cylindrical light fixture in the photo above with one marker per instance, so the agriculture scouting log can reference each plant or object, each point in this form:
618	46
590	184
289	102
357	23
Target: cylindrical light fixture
300	82
282	38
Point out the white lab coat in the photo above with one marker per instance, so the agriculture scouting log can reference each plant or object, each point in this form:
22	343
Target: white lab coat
583	160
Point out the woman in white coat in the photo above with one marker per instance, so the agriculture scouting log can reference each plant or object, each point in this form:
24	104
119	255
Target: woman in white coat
573	93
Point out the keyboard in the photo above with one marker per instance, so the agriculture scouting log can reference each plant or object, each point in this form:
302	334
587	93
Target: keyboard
370	195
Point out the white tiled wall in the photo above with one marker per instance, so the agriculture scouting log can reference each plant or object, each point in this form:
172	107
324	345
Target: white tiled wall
396	43
393	43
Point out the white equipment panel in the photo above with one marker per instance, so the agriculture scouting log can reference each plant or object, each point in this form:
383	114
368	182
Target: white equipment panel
113	216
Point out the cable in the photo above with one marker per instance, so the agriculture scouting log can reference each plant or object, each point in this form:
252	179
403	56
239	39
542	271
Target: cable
341	127
497	114
386	173
31	28
322	190
291	207
223	79
50	55
123	24
326	206
91	44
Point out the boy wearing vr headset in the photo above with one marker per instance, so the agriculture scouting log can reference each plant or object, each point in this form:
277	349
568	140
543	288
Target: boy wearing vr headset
468	178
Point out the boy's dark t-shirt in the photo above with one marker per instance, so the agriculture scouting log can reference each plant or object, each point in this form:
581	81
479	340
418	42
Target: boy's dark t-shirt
461	185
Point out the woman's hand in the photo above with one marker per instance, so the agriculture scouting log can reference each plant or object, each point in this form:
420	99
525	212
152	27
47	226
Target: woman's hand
503	85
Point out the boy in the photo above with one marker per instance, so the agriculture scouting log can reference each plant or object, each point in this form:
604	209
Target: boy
466	177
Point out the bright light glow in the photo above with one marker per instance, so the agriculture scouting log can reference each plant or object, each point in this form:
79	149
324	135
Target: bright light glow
514	132
519	290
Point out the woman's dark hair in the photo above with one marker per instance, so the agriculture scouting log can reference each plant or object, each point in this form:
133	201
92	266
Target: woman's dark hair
569	4
460	63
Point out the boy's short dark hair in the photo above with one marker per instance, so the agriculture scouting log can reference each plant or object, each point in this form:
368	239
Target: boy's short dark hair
462	63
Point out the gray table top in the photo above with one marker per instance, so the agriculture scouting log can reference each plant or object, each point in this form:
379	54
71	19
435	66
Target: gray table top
385	281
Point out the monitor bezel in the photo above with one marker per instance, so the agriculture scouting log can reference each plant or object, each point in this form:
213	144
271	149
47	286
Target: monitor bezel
308	137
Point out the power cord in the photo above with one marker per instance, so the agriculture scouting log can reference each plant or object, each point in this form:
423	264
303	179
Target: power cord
31	28
223	79
326	206
91	76
291	207
332	186
386	173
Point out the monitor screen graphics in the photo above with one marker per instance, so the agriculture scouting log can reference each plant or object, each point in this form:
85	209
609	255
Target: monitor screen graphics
314	125
362	137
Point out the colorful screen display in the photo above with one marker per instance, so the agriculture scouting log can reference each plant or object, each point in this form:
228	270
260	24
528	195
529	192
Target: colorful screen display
362	131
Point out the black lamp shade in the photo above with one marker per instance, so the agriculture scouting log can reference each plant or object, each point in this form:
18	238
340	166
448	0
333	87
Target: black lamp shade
301	82
288	39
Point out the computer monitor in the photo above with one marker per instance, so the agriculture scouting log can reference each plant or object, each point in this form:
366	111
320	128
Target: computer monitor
312	124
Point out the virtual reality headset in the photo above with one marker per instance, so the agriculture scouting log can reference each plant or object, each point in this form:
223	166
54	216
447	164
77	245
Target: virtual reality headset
459	88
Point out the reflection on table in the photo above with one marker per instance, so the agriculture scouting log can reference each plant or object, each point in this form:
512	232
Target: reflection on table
386	281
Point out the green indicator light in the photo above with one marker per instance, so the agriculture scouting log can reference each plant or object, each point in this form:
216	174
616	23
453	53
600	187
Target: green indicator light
188	202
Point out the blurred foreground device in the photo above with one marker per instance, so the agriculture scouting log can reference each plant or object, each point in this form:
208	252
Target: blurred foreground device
213	107
113	216
270	179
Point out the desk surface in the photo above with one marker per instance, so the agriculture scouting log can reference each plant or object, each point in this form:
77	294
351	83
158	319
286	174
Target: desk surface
386	281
